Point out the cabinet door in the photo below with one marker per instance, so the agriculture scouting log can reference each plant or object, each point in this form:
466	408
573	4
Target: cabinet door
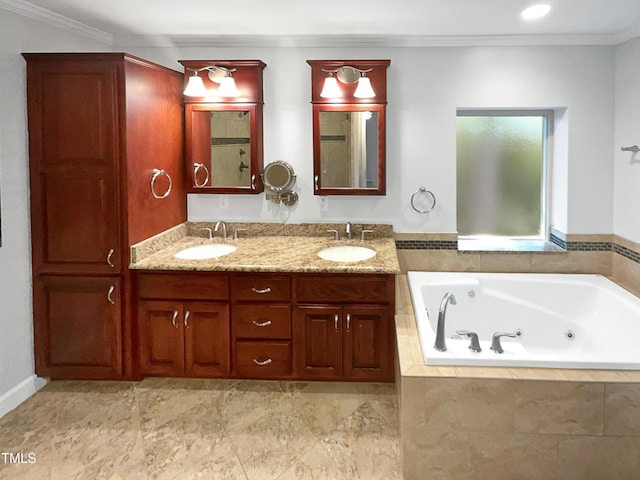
318	341
206	327
77	324
161	337
368	342
73	129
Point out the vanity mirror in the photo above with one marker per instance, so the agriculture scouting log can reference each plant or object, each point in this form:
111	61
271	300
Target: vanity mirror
223	125
349	133
279	178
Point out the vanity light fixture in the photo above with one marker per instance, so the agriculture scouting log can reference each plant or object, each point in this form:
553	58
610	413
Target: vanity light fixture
347	75
220	75
535	12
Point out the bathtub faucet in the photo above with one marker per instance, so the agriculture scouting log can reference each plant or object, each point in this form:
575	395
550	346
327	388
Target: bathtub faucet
440	344
495	340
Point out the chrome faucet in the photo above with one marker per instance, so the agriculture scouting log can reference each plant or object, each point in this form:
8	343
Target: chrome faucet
495	340
440	344
224	228
347	230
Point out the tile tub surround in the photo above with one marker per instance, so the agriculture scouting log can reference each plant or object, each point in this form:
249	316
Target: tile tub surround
208	429
507	423
609	255
268	248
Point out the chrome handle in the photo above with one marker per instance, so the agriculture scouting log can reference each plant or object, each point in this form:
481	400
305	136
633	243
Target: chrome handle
335	321
156	174
315	183
186	319
261	291
196	167
109	293
109	256
253	181
348	322
335	232
263	324
263	362
363	234
174	320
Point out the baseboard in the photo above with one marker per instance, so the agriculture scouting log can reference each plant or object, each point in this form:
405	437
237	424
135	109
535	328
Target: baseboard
20	393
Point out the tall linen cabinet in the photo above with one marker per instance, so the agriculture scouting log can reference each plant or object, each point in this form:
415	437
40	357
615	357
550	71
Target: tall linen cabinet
106	171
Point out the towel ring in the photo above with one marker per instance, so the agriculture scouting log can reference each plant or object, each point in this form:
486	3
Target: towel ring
156	174
196	168
423	191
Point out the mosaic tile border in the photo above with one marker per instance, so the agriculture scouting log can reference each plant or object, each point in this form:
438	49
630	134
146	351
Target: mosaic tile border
427	244
568	246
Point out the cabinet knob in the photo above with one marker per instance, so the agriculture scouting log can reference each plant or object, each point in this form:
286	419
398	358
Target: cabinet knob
266	323
262	363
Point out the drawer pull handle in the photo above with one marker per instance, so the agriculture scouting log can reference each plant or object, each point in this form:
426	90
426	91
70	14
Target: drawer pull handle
110	293
174	320
109	255
335	321
263	324
348	322
186	319
261	290
263	362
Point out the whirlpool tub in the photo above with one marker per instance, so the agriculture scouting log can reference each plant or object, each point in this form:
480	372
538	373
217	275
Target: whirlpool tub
560	320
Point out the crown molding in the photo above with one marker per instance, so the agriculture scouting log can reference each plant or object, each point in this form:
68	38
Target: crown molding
367	41
43	15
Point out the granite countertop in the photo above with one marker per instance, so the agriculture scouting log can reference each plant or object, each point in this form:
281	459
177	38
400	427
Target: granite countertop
265	250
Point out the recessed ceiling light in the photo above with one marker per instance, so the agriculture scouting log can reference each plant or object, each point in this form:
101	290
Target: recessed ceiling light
536	11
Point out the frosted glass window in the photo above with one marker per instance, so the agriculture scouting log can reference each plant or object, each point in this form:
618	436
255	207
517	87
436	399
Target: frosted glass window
501	174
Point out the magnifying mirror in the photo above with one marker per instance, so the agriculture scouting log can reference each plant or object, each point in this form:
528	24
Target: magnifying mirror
278	179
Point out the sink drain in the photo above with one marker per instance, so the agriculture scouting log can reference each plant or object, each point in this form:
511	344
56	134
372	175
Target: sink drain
570	335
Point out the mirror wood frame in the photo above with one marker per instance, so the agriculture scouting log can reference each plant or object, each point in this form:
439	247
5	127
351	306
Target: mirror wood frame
248	76
319	189
198	140
377	72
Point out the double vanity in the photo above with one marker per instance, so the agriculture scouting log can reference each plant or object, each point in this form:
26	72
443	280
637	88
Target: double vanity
124	286
265	303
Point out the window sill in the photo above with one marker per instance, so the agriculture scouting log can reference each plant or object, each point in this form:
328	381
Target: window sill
495	245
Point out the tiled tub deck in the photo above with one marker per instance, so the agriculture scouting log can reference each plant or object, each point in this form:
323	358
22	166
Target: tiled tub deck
512	423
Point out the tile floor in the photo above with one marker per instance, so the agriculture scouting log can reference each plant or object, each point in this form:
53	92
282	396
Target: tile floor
203	429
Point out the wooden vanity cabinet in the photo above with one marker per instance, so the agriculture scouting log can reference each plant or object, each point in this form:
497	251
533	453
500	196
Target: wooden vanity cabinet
342	327
266	325
183	322
261	325
78	331
99	124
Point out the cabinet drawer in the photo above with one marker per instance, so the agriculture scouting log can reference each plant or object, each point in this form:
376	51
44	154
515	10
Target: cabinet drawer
345	289
262	359
268	288
261	320
183	287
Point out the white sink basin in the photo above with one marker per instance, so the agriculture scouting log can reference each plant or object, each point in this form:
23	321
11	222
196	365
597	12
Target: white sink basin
205	251
346	253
